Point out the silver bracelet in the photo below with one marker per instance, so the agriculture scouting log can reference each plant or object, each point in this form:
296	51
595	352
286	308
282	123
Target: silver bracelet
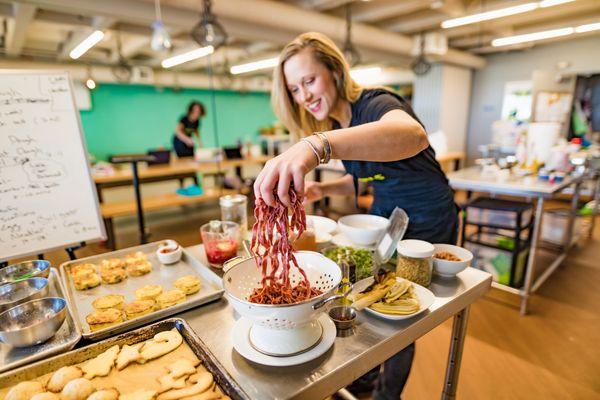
313	148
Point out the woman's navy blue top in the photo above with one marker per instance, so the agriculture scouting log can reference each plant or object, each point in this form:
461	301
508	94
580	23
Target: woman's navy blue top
417	184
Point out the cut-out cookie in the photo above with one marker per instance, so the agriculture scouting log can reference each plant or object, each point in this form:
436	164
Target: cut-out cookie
139	395
128	355
167	382
161	344
182	367
102	364
203	384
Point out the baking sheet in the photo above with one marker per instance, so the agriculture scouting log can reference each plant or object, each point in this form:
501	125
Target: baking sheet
81	300
135	376
65	339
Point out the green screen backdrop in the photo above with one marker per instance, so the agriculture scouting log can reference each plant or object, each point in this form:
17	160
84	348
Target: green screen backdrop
135	118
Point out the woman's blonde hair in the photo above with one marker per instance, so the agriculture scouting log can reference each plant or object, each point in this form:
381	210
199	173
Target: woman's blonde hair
295	117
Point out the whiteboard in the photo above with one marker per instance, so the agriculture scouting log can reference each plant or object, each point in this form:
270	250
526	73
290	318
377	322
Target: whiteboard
47	197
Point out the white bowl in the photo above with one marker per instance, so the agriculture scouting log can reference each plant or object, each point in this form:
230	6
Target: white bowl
451	268
172	256
364	229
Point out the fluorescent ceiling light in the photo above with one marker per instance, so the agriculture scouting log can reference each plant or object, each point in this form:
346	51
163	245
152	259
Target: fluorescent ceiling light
530	37
550	3
86	44
366	76
587	27
255	66
185	57
486	16
501	12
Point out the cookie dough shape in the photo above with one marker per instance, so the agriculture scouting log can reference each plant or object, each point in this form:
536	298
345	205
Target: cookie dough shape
182	367
188	284
139	395
162	343
77	389
102	364
24	390
128	355
105	394
45	396
62	376
203	384
167	382
148	292
109	301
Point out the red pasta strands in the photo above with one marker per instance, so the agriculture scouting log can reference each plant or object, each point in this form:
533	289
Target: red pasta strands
272	248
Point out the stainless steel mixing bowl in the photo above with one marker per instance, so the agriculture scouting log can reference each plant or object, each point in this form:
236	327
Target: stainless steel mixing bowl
25	270
15	293
33	322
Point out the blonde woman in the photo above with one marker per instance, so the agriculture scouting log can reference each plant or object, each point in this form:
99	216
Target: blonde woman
379	139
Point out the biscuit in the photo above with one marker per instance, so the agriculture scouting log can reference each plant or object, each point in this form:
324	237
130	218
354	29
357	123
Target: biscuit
109	301
111	276
170	298
188	284
135	258
112	263
59	379
76	269
138	308
101	364
139	268
148	292
86	279
104	318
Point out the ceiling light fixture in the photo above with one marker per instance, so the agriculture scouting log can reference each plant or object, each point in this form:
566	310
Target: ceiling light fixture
587	27
500	13
90	82
254	66
86	44
188	56
161	41
531	37
209	32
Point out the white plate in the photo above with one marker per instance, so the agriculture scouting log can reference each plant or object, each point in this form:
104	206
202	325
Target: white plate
241	344
426	299
322	224
341	240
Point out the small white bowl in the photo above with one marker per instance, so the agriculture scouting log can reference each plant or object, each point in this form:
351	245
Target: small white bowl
170	257
363	229
451	268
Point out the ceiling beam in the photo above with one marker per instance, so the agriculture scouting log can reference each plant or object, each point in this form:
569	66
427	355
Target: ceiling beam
17	27
429	20
322	5
380	10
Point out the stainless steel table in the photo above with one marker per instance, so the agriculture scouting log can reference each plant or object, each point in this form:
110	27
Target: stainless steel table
374	340
474	180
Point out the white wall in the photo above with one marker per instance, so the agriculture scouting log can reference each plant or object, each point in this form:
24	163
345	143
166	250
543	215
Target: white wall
488	83
441	101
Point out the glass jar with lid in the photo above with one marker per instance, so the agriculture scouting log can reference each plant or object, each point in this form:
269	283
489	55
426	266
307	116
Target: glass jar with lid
415	261
235	208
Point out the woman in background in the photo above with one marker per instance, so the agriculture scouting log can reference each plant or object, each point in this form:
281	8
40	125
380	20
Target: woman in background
188	125
379	139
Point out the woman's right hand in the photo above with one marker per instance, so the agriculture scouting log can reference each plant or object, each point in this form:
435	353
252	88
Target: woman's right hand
313	191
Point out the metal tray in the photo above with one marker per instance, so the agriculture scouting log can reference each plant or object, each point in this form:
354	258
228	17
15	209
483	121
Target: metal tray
221	376
65	339
80	301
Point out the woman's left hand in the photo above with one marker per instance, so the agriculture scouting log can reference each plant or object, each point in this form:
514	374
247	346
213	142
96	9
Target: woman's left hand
279	173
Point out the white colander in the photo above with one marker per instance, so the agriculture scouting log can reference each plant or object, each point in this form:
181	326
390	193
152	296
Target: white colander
287	329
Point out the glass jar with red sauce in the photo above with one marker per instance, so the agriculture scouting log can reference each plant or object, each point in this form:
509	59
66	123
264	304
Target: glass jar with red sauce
220	239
